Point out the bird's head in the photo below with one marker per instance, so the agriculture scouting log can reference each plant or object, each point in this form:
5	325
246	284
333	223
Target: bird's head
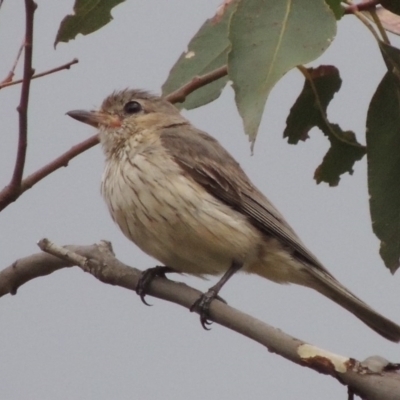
129	113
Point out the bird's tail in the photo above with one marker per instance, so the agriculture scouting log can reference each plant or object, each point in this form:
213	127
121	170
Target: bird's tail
327	285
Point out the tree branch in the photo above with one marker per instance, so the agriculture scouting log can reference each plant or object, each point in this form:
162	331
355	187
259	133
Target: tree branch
12	191
179	95
39	75
10	75
15	183
375	378
61	161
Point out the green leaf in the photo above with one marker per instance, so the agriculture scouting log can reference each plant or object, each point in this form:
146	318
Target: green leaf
268	39
206	52
391	5
89	16
383	143
341	156
309	111
336	7
391	56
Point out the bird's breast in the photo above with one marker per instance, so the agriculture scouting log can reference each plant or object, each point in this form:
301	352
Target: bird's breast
173	218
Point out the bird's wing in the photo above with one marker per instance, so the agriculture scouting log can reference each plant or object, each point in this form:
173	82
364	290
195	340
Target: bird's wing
210	165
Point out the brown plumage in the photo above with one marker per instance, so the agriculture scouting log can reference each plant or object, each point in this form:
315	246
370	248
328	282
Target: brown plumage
181	197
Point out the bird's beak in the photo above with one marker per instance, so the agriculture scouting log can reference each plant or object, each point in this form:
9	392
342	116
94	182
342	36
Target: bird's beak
95	118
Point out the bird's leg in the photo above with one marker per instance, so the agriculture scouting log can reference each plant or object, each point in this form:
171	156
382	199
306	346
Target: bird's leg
147	276
202	304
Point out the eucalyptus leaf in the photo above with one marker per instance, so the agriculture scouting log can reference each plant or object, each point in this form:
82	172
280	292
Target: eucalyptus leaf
383	142
268	39
89	16
309	111
206	52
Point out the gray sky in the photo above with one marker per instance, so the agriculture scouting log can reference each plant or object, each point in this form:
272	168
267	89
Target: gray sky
67	336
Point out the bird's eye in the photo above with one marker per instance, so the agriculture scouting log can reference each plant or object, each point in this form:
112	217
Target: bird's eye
132	107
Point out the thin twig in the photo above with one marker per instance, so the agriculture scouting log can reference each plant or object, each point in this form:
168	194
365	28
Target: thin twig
39	75
11	192
61	161
72	257
15	183
179	95
10	75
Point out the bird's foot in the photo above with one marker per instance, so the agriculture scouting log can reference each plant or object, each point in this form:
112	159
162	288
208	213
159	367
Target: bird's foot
147	276
202	305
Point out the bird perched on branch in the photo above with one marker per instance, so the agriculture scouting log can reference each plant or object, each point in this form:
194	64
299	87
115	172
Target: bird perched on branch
182	198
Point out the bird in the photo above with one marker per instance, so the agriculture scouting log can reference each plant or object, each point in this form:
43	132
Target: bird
177	194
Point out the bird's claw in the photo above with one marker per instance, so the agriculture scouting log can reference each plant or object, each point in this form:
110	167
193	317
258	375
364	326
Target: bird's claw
202	305
146	277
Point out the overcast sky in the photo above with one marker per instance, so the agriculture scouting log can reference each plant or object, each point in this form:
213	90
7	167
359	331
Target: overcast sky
68	336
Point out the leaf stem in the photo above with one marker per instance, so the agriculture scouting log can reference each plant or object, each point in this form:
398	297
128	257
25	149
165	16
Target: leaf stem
355	10
378	23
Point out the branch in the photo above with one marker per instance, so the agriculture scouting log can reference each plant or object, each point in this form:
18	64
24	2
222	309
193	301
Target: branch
12	191
179	95
375	378
39	75
10	75
61	161
15	183
8	194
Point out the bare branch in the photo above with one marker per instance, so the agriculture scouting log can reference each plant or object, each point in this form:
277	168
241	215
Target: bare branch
372	379
61	161
15	183
11	192
41	264
10	75
179	95
44	73
62	252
